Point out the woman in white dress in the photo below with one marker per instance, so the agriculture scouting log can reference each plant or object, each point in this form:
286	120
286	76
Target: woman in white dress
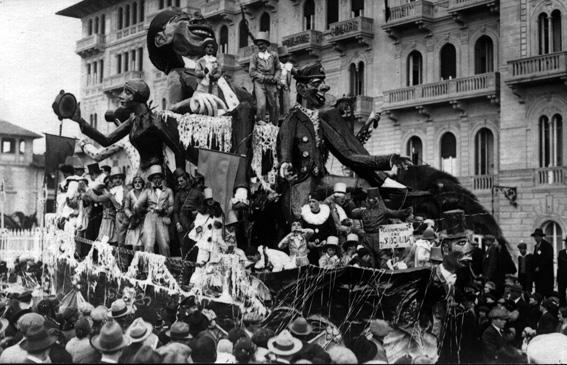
135	227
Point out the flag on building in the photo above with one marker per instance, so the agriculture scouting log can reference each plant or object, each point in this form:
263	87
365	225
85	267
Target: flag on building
57	148
219	170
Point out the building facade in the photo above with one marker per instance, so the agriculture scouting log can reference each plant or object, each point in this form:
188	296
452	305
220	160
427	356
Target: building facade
473	87
18	165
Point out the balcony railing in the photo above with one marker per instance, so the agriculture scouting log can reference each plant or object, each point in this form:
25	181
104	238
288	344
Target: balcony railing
220	9
363	106
550	175
444	91
359	28
305	41
90	45
116	82
538	69
483	182
459	5
408	13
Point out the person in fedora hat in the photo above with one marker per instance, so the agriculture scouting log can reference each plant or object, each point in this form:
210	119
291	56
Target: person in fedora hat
110	343
139	333
284	345
284	86
265	72
542	264
158	202
301	329
330	259
38	343
121	313
492	339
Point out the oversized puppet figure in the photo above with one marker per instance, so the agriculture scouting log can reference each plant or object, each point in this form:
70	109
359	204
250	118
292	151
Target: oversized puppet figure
309	131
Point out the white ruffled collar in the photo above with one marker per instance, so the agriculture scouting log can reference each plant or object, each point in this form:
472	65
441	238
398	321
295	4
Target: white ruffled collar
315	218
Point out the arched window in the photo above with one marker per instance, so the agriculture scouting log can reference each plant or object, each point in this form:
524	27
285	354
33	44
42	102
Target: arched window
356	8
223	37
332	12
242	35
90	27
483	55
449	153
554	235
550	141
265	23
414	69
356	78
414	150
556	30
448	57
308	15
543	34
484	152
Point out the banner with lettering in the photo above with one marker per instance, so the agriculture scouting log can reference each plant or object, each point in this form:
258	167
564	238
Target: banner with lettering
396	235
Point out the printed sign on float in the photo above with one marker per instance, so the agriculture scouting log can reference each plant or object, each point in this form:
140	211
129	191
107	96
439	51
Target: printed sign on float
396	235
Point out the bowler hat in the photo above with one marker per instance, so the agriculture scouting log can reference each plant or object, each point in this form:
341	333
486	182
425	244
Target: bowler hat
65	105
37	339
154	170
429	234
300	327
139	89
179	172
110	338
352	237
522	244
284	344
262	37
94	169
283	51
538	232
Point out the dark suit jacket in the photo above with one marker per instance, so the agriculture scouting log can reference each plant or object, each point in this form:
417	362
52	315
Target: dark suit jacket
492	344
490	269
562	267
543	260
547	324
526	278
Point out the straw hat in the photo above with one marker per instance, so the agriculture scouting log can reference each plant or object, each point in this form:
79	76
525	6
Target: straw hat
284	344
119	309
332	241
116	171
300	327
340	188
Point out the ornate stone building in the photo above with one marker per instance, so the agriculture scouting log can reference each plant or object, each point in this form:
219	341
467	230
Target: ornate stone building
474	87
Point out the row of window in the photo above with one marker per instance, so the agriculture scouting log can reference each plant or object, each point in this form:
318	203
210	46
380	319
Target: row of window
332	16
96	25
95	72
130	61
168	3
130	14
9	146
550	147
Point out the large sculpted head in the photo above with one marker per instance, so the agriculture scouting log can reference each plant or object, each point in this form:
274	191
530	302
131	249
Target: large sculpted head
311	85
174	34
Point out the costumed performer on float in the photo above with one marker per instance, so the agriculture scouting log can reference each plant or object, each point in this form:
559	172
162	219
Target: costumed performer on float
307	133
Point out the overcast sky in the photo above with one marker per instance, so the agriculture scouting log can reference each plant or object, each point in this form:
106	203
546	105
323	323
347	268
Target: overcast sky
37	60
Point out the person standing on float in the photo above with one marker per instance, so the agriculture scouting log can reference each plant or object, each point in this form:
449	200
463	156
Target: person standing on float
158	202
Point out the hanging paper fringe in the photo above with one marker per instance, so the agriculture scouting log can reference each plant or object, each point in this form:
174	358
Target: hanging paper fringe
264	139
204	131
